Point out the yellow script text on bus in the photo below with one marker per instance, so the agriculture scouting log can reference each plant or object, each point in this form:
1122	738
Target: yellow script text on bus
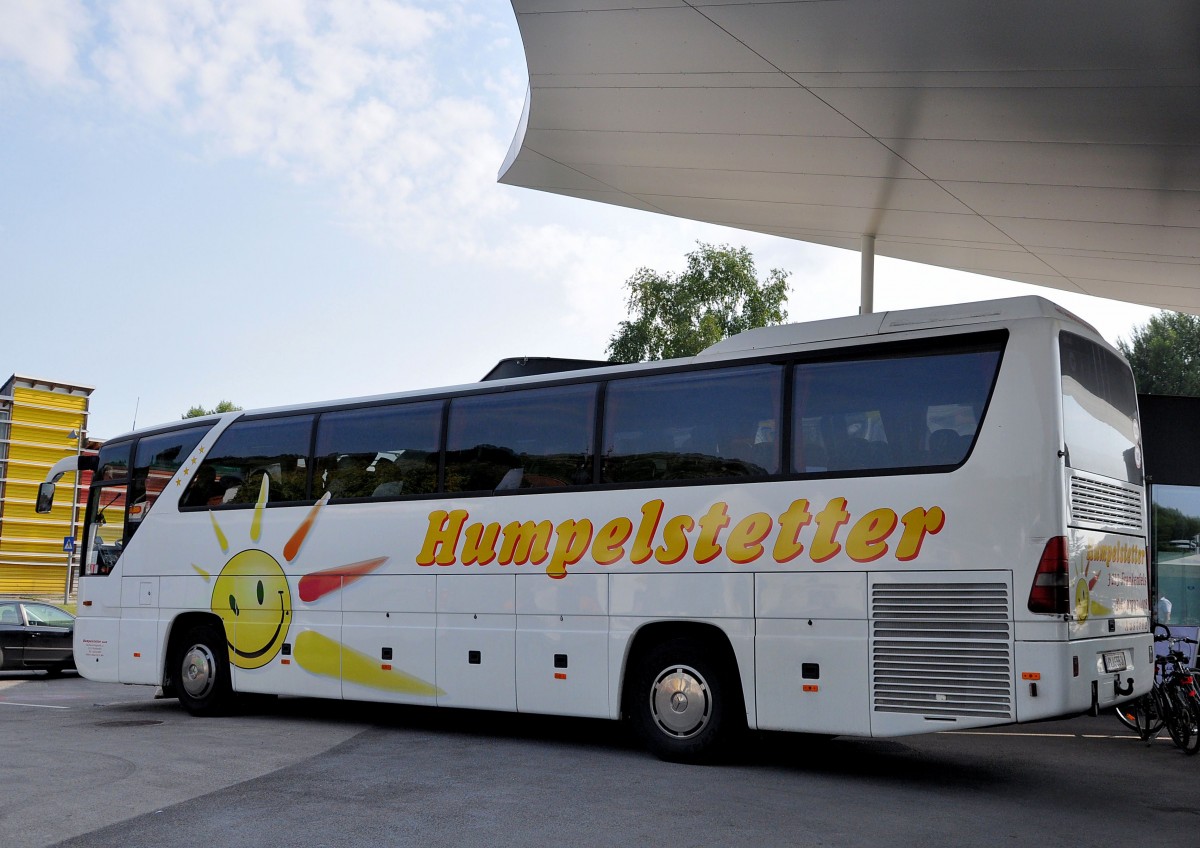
450	539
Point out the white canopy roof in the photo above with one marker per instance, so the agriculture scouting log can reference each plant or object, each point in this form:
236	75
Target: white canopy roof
1054	142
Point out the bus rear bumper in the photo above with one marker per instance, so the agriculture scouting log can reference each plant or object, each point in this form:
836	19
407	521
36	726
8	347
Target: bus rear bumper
1083	676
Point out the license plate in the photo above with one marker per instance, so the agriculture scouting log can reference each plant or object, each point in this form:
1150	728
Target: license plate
1114	660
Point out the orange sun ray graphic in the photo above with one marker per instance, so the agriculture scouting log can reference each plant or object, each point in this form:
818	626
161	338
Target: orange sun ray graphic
252	595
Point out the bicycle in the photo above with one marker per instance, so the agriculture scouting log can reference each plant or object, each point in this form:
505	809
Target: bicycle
1173	701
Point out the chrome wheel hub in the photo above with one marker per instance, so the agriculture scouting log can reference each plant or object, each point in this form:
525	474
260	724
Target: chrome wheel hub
680	702
197	671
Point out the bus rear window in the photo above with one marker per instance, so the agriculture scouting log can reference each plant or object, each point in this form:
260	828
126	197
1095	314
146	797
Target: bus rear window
1100	423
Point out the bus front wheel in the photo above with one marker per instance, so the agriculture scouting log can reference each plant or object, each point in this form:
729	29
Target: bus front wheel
202	665
684	702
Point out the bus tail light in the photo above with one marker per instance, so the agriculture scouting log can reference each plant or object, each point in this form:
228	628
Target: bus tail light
1050	592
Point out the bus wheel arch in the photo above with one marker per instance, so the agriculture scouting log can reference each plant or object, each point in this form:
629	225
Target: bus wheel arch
682	693
198	671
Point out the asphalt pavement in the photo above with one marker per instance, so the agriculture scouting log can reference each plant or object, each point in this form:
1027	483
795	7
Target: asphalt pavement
89	764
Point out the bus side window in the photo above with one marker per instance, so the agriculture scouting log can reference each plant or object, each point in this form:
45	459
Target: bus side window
890	412
378	452
274	449
155	463
694	425
531	439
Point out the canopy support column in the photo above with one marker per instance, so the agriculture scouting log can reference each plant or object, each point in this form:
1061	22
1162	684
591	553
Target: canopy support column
867	293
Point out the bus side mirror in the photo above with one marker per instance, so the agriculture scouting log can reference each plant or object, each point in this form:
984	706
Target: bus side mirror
45	498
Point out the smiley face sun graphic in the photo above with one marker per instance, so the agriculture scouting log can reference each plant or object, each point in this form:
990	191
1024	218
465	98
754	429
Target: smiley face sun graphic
253	599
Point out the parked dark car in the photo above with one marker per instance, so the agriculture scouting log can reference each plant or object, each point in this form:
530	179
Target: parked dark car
35	635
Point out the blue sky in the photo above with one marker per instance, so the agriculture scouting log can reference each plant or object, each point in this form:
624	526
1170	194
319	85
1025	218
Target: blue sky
278	201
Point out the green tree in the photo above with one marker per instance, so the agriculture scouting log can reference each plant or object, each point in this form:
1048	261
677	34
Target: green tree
1170	523
718	295
223	406
1165	355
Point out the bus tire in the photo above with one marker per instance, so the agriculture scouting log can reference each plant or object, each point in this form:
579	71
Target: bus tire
201	664
684	702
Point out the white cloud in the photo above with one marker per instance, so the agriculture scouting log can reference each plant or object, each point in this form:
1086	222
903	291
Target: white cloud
385	100
42	37
406	109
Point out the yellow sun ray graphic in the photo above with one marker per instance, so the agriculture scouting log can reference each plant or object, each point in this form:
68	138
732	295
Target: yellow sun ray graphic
221	540
256	524
253	597
319	654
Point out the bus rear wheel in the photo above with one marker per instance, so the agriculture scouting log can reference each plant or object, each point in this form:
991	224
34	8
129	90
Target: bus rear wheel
684	702
202	664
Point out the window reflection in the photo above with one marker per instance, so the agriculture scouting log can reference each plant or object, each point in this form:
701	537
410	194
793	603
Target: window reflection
533	439
889	413
695	425
379	452
1175	528
275	449
1099	410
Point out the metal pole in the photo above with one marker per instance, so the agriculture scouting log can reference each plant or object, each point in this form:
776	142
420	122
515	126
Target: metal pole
867	284
74	517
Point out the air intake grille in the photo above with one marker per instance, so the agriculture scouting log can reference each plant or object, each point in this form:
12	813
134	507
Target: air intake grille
1101	504
942	650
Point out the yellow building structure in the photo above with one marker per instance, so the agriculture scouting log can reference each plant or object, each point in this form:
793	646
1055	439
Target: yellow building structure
41	422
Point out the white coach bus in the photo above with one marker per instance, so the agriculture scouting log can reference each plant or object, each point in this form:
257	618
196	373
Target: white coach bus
879	525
